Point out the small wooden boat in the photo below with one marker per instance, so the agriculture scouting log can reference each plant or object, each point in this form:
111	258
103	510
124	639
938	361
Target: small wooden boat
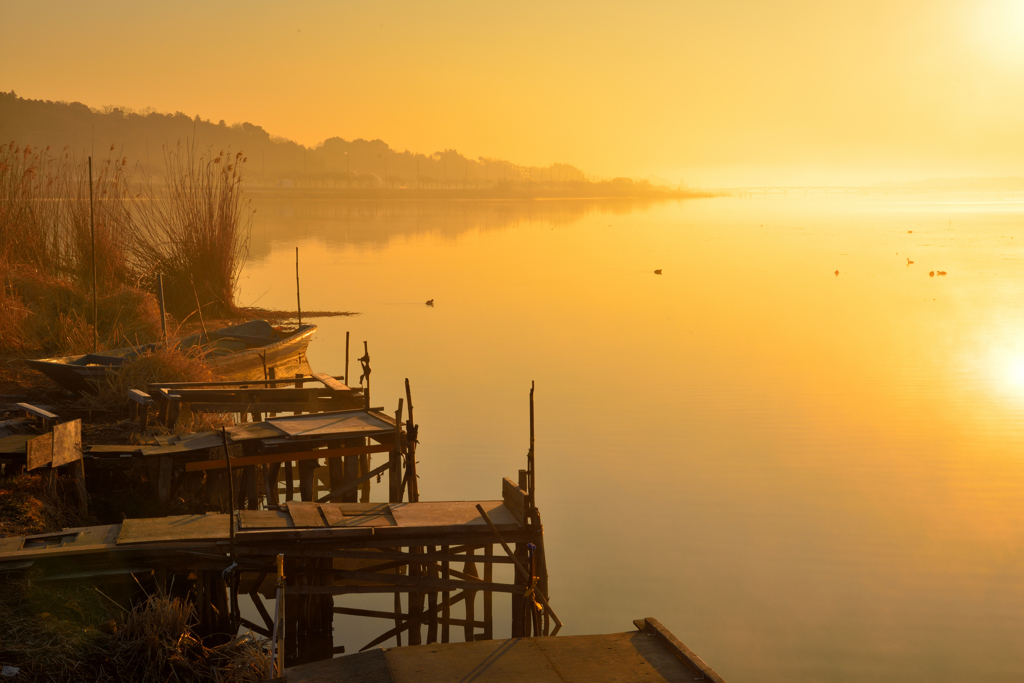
242	352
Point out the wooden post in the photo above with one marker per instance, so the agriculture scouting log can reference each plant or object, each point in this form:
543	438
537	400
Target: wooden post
432	600
289	481
351	470
488	595
298	298
365	363
412	435
270	474
415	601
469	631
531	466
347	383
279	621
92	234
307	482
395	471
446	610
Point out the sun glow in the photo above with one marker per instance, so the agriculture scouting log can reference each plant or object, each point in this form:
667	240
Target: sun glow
1000	29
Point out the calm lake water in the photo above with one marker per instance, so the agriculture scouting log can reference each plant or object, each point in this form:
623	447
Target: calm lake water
805	476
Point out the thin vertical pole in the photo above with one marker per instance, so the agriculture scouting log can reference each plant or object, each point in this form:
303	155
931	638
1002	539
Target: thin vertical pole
346	360
530	463
298	299
163	311
92	234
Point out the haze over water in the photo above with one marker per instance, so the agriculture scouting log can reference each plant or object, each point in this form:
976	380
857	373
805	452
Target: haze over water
805	476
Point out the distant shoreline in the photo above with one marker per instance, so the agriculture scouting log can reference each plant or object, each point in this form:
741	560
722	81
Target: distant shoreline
467	194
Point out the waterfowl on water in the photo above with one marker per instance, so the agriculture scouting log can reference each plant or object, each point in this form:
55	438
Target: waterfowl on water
658	271
430	302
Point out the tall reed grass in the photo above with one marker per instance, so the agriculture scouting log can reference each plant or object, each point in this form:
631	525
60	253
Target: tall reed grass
195	232
192	227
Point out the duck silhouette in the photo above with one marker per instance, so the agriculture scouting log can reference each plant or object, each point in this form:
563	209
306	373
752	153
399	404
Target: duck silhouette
430	302
837	273
658	271
909	262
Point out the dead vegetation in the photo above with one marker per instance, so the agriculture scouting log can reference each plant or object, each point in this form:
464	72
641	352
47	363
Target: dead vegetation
193	229
59	632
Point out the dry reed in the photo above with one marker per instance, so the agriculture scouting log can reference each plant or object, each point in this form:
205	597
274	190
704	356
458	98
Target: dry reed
195	233
65	633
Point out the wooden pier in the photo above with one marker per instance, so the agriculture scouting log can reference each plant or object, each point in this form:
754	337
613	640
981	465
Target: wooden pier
650	654
439	556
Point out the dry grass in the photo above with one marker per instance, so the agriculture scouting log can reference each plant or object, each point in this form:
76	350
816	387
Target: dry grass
63	633
29	506
170	364
50	315
194	230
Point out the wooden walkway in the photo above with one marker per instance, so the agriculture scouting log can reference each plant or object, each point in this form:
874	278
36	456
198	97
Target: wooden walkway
649	655
435	555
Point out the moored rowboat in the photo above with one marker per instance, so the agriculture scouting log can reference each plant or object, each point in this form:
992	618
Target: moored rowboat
243	351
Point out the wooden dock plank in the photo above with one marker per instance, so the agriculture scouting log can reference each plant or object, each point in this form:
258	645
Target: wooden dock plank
493	661
305	514
452	513
339	423
376	515
636	657
178	528
264	519
330	382
38	412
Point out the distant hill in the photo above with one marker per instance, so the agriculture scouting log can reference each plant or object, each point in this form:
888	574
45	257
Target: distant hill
274	162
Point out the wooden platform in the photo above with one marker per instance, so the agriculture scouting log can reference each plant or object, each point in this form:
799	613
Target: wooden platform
162	540
649	655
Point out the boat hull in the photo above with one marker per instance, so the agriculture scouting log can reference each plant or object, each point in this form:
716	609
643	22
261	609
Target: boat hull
244	352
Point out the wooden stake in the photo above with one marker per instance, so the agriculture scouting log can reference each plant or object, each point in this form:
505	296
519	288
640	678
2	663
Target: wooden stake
412	434
346	360
92	234
298	299
530	463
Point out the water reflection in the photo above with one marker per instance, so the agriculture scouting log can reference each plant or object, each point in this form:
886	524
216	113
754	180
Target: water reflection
805	476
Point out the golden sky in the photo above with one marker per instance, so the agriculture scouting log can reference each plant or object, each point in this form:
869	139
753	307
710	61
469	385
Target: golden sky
710	93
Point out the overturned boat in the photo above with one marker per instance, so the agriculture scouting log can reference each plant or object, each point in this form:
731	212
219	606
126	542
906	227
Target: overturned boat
244	352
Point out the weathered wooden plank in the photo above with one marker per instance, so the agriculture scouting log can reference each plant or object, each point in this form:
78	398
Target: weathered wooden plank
305	514
337	517
338	423
140	397
330	382
653	626
264	519
514	498
183	527
452	513
46	415
39	452
67	443
283	457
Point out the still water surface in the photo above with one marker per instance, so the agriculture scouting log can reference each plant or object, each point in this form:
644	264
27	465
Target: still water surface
805	476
